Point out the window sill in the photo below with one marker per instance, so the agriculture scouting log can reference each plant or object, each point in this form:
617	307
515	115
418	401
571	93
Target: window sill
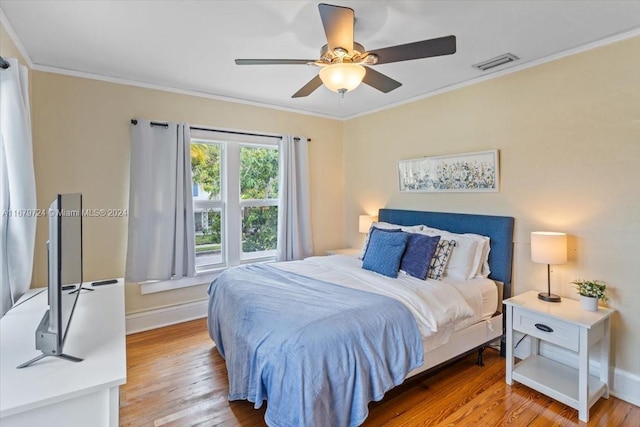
168	285
203	278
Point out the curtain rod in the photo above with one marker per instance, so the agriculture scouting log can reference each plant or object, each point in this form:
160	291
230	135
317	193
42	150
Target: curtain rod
166	125
4	64
236	132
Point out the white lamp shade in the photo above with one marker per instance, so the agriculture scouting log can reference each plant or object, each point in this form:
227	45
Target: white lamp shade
342	76
548	247
364	222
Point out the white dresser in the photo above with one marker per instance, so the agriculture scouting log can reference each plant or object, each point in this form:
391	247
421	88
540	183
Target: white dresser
57	392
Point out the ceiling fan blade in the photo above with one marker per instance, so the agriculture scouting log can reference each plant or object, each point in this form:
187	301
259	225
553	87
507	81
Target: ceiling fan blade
275	61
307	89
422	49
380	81
338	25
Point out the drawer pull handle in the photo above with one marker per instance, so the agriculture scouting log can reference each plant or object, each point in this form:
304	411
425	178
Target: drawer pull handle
542	327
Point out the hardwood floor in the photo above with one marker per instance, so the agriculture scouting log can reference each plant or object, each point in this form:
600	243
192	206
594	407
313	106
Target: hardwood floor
175	377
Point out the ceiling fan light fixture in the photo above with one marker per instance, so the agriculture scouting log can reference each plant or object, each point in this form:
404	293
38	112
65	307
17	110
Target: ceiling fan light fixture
342	77
345	62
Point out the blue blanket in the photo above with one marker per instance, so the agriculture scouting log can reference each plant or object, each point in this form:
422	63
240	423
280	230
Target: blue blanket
317	352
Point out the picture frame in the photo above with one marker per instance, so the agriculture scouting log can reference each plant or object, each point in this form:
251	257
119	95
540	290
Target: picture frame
477	171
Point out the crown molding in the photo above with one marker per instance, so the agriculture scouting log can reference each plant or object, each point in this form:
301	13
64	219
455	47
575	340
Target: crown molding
135	83
513	69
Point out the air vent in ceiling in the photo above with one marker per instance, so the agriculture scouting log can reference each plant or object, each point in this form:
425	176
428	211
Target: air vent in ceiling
495	62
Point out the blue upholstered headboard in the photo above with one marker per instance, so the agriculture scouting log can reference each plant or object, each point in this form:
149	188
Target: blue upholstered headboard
499	229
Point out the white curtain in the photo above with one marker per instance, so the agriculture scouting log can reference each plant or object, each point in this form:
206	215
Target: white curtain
161	242
17	185
295	239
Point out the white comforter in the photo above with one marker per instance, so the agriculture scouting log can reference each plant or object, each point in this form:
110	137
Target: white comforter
438	306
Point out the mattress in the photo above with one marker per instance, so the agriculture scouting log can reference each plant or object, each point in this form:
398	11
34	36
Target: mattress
480	294
478	289
489	291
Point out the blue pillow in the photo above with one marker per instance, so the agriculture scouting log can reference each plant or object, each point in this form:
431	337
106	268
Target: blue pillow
384	252
366	241
417	256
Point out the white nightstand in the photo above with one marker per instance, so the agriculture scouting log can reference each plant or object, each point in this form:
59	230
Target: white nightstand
347	251
567	325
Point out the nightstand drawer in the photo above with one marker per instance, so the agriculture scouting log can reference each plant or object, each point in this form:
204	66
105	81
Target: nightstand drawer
555	331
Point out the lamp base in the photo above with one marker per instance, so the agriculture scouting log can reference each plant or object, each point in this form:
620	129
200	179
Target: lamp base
544	296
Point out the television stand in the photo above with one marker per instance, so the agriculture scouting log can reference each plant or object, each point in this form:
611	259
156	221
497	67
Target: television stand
47	343
54	392
42	356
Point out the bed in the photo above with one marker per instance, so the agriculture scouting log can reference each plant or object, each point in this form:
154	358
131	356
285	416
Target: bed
319	339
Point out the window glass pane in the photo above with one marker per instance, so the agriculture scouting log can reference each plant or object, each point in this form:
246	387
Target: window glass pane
208	236
258	173
205	166
259	231
222	170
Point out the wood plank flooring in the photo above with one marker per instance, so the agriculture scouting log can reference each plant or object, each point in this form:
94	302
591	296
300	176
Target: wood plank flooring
175	377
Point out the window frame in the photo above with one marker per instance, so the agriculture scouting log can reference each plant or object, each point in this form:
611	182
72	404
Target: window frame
231	200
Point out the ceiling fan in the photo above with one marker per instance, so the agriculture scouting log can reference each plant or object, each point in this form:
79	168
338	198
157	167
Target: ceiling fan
345	63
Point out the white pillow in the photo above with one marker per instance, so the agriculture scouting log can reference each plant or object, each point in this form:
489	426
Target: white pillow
388	226
485	247
483	268
466	259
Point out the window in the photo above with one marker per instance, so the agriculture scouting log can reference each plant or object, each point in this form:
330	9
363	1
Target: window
235	198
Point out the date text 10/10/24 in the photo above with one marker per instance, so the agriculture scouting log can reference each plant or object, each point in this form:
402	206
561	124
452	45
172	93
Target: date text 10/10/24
40	213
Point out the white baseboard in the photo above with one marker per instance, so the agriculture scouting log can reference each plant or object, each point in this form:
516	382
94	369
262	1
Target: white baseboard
157	318
624	385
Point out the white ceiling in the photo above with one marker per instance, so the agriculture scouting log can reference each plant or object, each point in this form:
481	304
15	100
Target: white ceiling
191	45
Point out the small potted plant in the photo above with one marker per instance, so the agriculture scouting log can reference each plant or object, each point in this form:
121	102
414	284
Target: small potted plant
590	292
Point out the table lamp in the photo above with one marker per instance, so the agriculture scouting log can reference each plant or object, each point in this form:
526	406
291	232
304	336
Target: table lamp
548	248
365	221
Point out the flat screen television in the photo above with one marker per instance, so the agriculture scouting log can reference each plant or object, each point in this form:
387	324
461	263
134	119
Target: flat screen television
64	265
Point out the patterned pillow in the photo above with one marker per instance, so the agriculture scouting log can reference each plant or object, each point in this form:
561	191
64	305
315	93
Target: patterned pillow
440	258
466	258
418	254
384	252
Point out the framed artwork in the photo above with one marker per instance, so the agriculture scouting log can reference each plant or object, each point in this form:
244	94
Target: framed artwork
467	172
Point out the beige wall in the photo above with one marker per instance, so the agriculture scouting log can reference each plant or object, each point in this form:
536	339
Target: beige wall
569	138
81	144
